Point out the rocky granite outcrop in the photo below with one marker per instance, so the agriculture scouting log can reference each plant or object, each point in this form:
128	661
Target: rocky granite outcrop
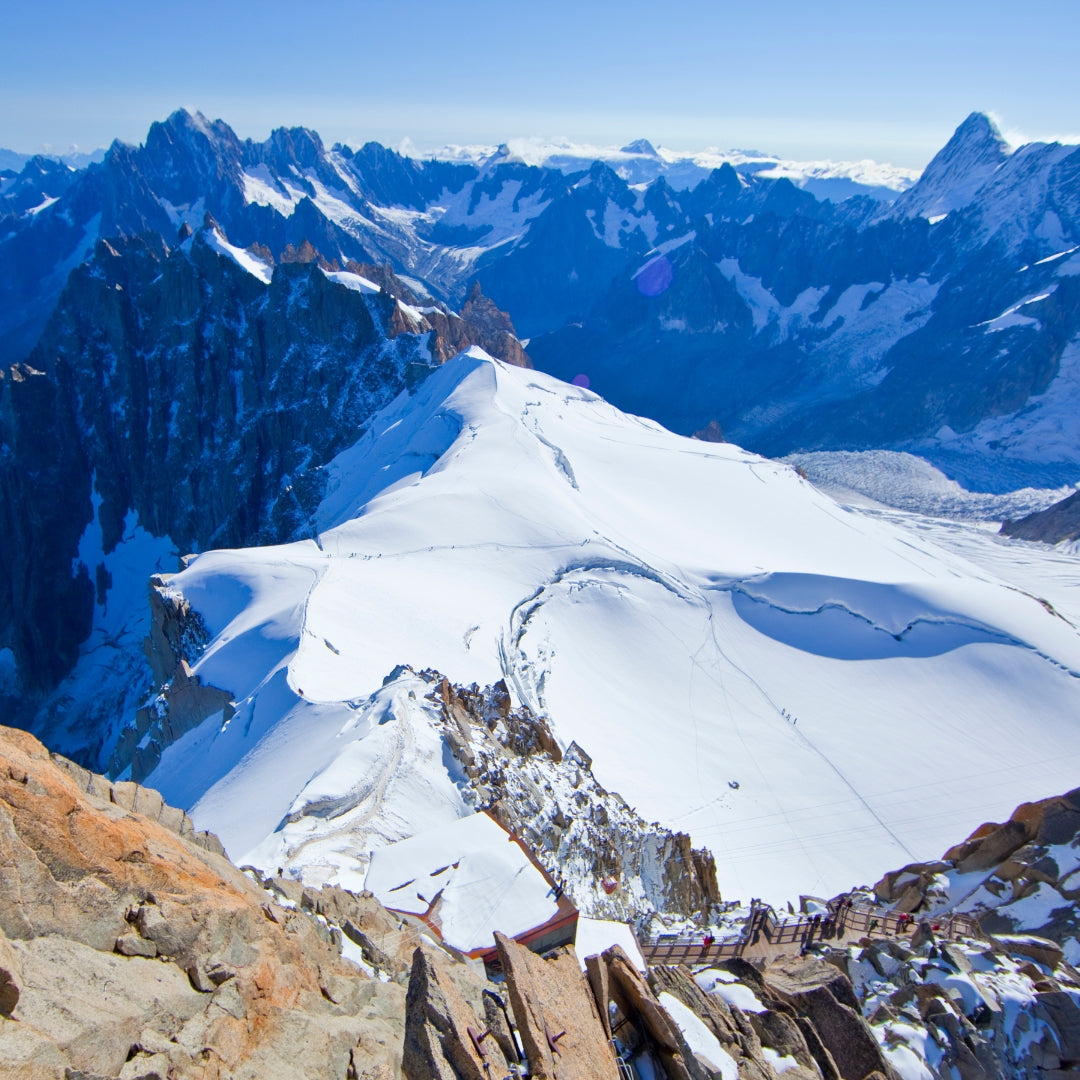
480	321
541	1017
492	328
612	863
923	1005
983	1010
1021	875
823	995
175	640
130	947
1053	525
386	944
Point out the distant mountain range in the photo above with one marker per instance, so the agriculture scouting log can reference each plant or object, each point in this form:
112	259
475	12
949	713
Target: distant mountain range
943	319
640	162
193	327
13	161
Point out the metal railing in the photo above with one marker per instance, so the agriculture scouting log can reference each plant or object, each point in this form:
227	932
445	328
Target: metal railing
764	926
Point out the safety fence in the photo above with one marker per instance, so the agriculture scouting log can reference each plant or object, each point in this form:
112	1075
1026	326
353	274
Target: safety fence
764	926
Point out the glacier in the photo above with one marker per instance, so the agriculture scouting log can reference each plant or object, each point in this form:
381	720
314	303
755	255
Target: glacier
815	692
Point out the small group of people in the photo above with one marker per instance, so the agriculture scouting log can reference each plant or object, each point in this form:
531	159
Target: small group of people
814	927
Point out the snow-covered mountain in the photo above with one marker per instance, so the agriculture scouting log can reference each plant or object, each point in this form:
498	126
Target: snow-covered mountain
39	182
174	398
944	322
810	692
14	161
481	587
955	175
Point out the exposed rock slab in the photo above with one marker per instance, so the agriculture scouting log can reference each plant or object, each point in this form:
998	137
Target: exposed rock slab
135	950
556	1014
823	994
438	1044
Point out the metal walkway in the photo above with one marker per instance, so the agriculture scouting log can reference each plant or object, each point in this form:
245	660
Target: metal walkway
765	933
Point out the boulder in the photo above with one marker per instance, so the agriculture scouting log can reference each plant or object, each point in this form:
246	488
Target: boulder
905	887
1039	949
822	995
10	977
556	1015
780	1032
986	849
134	945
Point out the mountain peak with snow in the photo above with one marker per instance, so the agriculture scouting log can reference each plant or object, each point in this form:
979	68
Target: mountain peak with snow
184	126
957	171
976	144
640	146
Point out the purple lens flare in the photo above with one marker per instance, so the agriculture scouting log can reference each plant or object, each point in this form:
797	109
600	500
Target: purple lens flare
655	277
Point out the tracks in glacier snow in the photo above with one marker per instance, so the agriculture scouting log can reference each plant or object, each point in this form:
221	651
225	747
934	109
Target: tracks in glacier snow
367	799
528	683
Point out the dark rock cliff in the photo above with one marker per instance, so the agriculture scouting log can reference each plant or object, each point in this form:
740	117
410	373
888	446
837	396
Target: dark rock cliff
175	388
1052	525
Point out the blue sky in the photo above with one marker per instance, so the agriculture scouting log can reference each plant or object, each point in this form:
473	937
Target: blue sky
831	78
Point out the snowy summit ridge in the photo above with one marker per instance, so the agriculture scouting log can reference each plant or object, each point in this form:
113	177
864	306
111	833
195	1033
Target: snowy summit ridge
736	653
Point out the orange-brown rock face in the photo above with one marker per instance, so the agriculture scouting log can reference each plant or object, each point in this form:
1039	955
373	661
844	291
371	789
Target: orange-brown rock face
481	321
128	949
557	1017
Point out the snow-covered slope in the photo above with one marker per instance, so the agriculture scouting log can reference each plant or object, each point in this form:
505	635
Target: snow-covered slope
809	692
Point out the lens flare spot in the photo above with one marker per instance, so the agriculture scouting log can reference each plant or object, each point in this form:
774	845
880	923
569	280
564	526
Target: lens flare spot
655	277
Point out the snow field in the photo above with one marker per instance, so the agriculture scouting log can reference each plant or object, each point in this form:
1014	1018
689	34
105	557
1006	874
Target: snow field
812	693
594	936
